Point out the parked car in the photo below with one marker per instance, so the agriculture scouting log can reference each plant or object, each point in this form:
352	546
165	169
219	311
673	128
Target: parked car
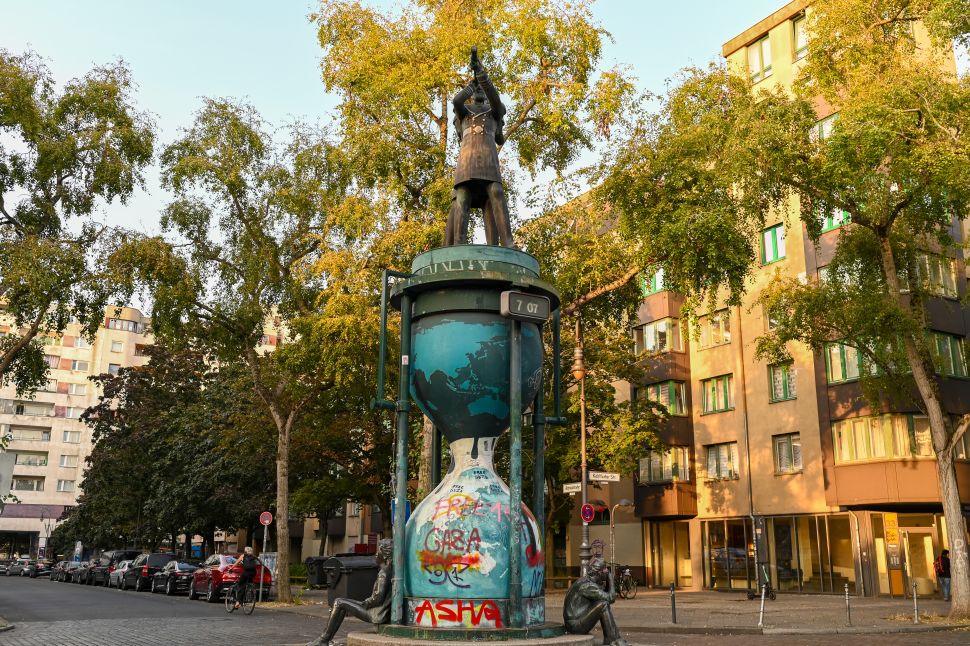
142	569
80	573
56	570
106	563
114	577
218	573
65	573
4	565
38	568
16	568
174	577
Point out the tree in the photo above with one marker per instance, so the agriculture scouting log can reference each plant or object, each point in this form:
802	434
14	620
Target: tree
64	153
717	158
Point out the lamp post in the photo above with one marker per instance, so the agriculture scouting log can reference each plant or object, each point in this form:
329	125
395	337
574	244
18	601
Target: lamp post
579	373
623	503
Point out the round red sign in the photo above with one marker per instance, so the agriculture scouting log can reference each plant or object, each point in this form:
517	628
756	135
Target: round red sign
266	518
587	513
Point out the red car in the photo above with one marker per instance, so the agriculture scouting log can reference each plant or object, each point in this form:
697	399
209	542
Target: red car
219	572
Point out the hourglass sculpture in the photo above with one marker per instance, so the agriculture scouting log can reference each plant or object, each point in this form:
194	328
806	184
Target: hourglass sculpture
471	559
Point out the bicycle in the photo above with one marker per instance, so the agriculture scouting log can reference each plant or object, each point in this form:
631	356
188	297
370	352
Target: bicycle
627	585
247	601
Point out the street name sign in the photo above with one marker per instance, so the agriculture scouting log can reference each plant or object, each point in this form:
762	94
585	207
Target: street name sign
603	476
572	487
524	307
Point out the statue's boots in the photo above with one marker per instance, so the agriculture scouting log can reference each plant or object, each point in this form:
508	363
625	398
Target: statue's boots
320	641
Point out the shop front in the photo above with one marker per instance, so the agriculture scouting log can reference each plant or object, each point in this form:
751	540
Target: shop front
669	550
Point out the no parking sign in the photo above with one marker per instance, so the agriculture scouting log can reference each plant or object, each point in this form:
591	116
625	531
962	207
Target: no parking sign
587	513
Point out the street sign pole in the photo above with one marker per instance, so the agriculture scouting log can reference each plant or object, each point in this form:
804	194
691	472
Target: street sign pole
265	518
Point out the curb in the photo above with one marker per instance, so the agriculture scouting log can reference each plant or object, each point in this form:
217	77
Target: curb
749	630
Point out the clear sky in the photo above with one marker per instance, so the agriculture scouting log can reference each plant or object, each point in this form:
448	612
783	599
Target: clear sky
267	53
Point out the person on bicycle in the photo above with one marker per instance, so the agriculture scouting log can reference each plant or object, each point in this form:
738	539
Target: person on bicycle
248	562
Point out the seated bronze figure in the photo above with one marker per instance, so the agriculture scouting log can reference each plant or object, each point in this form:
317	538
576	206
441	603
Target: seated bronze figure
375	609
588	602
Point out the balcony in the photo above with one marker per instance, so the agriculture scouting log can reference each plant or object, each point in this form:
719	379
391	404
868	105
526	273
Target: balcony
886	482
667	500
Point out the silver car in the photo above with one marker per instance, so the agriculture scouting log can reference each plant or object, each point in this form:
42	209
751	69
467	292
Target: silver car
16	568
114	577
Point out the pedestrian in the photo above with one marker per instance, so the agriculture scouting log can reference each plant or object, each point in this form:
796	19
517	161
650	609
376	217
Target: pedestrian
942	568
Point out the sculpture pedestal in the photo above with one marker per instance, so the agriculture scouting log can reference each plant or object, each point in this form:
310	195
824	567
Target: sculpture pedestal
413	636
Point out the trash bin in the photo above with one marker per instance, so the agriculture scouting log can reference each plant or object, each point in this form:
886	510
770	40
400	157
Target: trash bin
350	575
315	574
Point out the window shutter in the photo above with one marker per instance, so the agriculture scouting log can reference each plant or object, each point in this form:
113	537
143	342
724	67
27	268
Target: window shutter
68	341
65	364
712	461
796	452
733	470
62	387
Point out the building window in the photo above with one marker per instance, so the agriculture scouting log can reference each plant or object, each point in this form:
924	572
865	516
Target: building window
28	484
937	275
834	219
123	324
773	244
718	394
31	459
65	485
117	346
657	336
77	389
73	412
666	466
50	386
652	281
823	128
781	378
722	461
29	434
81	342
788	453
72	437
948	357
842	363
113	368
715	329
799	36
668	393
80	366
68	461
759	59
33	409
52	360
881	437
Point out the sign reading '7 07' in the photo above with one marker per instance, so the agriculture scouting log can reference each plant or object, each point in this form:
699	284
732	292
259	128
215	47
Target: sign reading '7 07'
524	307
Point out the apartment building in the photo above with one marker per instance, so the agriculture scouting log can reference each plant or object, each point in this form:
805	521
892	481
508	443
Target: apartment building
46	437
785	467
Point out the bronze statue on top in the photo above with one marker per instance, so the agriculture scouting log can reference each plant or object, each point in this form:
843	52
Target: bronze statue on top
478	180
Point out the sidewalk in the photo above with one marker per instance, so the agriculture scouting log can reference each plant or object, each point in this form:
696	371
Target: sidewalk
731	613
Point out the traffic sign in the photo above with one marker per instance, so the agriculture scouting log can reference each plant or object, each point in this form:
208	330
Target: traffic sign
524	307
266	518
572	487
587	513
604	476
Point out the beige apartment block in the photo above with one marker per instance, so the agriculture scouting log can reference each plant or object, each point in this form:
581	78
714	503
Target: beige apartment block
49	441
782	472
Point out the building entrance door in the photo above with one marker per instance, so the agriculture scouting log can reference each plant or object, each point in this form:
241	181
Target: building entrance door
919	548
670	554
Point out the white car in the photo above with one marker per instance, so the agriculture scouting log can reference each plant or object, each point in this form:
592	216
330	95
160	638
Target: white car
17	567
114	577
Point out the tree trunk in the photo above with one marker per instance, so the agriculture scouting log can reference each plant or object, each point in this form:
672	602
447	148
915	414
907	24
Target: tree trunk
424	467
283	512
940	431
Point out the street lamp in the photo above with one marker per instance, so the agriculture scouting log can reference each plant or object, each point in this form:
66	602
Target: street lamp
626	504
579	373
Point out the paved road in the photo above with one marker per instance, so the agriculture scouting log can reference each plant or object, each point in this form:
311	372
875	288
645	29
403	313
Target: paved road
64	614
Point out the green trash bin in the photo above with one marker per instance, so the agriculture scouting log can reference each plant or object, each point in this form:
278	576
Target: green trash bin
350	575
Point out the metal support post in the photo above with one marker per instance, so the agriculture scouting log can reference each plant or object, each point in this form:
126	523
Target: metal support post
673	603
515	475
915	605
263	574
584	549
403	407
435	456
761	613
539	458
848	608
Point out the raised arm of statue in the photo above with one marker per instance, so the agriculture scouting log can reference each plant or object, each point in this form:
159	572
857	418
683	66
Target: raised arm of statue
458	103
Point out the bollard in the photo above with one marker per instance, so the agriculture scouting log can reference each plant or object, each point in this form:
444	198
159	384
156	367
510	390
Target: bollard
915	605
848	608
673	603
761	613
